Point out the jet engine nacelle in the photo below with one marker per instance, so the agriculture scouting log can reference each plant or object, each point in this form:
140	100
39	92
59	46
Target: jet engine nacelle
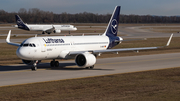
30	62
57	31
85	60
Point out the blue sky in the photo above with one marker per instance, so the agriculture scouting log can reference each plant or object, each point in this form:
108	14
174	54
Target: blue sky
139	7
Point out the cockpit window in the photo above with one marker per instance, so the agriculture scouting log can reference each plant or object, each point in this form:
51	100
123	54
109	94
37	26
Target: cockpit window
28	45
34	45
25	45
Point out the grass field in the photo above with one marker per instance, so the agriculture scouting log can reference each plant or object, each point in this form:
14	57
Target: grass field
156	85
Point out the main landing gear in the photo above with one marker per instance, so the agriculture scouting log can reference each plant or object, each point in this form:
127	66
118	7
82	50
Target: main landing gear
45	32
54	63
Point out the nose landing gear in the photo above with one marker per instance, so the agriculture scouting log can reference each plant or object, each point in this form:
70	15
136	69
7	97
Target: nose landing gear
34	67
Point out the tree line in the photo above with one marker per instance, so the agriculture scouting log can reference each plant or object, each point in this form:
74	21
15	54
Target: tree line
36	15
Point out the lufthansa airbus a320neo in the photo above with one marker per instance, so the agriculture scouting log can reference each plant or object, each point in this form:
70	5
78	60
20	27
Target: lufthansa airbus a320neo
83	49
43	28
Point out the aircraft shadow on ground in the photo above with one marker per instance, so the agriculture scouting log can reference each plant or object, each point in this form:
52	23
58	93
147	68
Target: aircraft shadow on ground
78	68
11	68
62	66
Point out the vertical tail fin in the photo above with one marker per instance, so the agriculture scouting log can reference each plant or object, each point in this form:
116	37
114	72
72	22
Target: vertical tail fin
20	23
112	28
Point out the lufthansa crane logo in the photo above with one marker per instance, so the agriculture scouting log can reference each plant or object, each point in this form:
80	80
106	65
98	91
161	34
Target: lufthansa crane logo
114	25
19	22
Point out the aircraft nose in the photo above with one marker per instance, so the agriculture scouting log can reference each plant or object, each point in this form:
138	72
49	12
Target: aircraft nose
75	28
22	53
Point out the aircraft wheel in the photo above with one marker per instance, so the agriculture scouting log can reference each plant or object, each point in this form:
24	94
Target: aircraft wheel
92	67
33	68
87	67
52	63
56	64
43	32
49	33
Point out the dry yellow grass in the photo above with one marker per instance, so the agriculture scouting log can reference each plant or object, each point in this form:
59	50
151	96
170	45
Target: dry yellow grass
157	85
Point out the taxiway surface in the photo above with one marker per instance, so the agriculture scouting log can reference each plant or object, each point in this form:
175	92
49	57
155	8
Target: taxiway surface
21	74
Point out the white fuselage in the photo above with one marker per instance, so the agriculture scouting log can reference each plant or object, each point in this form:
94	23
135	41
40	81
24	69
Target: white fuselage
38	27
57	27
59	47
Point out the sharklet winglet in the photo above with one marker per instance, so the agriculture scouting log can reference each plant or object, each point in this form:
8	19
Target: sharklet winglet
169	41
8	40
8	37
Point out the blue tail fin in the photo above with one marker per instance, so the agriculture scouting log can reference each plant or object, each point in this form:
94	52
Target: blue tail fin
112	28
20	23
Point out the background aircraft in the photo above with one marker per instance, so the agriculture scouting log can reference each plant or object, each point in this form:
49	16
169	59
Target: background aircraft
83	49
44	28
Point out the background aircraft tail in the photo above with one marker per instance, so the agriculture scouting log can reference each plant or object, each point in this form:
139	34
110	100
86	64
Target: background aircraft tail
20	23
112	28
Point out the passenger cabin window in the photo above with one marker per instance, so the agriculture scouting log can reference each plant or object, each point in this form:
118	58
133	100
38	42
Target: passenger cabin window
28	45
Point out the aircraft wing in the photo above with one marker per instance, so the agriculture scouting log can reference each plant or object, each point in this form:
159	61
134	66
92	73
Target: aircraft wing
49	29
8	40
120	50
